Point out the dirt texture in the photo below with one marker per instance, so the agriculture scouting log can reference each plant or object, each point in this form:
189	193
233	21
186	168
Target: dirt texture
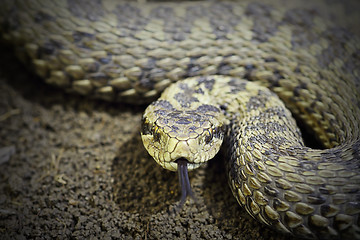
74	168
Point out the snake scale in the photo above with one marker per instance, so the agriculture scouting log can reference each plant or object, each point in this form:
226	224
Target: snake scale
131	52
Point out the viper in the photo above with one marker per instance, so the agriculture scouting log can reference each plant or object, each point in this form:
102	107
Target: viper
233	72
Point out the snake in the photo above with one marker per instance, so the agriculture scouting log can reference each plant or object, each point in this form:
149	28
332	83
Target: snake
234	75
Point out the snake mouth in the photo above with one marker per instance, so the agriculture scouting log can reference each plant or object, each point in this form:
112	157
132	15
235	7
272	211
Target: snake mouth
184	180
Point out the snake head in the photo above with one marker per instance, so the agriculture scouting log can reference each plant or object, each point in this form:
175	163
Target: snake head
170	134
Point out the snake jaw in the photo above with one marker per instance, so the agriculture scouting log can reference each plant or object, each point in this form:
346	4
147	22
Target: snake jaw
174	166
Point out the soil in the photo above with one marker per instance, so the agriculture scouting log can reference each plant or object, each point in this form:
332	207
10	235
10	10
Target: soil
75	168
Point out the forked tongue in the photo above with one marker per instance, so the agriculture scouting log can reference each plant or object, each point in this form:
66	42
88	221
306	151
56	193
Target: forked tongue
184	181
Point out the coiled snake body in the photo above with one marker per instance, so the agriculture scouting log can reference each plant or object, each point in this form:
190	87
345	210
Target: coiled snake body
126	51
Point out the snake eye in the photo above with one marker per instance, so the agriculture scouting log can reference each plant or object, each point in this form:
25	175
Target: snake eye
156	133
145	127
209	135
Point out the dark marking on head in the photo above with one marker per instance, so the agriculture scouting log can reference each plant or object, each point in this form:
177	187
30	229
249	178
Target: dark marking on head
174	128
162	107
207	81
160	112
274	111
237	86
183	86
183	121
205	108
255	102
223	107
163	104
199	91
185	98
